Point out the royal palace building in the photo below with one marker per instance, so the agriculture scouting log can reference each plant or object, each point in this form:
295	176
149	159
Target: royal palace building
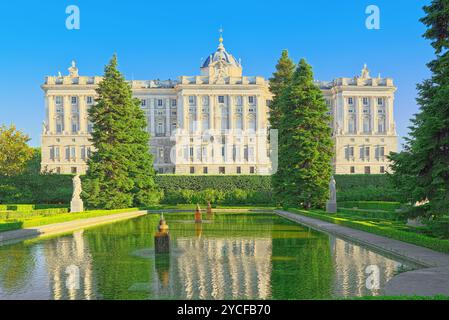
217	122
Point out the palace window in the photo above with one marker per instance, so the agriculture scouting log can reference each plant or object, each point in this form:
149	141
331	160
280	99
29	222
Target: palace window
381	125
350	101
380	152
74	170
365	101
74	100
205	100
173	126
252	170
382	169
221	99
90	127
352	169
380	101
192	100
73	152
252	123
58	100
90	100
174	102
160	103
367	170
205	123
239	170
238	100
349	152
252	100
75	109
366	124
160	128
364	152
83	153
351	124
143	102
222	170
205	170
59	109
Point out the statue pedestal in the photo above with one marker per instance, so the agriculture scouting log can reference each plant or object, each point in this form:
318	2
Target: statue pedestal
76	205
162	242
331	207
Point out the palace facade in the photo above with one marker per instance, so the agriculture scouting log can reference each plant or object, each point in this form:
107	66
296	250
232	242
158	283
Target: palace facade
217	122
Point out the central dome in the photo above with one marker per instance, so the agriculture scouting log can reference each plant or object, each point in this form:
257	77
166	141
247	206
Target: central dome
221	55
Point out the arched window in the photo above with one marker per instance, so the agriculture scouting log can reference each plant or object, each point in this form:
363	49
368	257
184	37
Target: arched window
205	122
351	124
238	123
366	124
252	123
224	118
381	125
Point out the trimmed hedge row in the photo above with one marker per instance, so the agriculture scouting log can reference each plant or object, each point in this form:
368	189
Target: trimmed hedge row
30	214
410	237
217	197
371	205
222	182
387	215
30	207
57	189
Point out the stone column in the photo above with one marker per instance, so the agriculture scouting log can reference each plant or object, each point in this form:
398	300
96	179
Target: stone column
185	114
359	115
82	114
51	114
167	118
245	113
212	113
375	110
152	124
67	114
389	115
259	114
231	113
198	114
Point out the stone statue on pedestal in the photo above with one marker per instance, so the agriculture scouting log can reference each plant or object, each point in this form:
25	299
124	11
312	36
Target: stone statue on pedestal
76	205
331	206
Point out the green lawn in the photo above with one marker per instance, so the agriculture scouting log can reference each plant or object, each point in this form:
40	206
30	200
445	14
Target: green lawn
395	229
35	221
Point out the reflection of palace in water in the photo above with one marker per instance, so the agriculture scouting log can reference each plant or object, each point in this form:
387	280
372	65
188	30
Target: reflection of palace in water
217	269
68	260
350	263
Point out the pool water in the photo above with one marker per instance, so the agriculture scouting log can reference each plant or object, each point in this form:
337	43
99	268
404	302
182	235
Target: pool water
228	256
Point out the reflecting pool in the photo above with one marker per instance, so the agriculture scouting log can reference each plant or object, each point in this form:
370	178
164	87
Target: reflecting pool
228	256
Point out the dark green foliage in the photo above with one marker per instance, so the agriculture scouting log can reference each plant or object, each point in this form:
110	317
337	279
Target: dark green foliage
120	173
305	143
421	171
371	205
40	189
440	227
222	182
54	189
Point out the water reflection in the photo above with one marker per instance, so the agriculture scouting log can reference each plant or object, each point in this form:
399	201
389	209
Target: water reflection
257	256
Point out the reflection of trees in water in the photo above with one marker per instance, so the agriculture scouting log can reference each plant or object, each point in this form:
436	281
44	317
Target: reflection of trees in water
301	263
17	263
116	268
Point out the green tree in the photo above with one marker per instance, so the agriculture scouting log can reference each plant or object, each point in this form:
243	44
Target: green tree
281	79
120	172
421	170
305	143
14	151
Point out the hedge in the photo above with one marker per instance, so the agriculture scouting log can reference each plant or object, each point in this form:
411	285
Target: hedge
57	189
30	207
222	182
371	205
365	214
30	214
405	236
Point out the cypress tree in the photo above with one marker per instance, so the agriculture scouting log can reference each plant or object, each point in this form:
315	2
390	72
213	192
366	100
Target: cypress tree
306	146
278	83
120	172
421	171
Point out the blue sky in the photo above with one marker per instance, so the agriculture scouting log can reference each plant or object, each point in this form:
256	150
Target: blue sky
166	39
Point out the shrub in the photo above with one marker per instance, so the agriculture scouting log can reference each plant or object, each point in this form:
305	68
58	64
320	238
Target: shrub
440	227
